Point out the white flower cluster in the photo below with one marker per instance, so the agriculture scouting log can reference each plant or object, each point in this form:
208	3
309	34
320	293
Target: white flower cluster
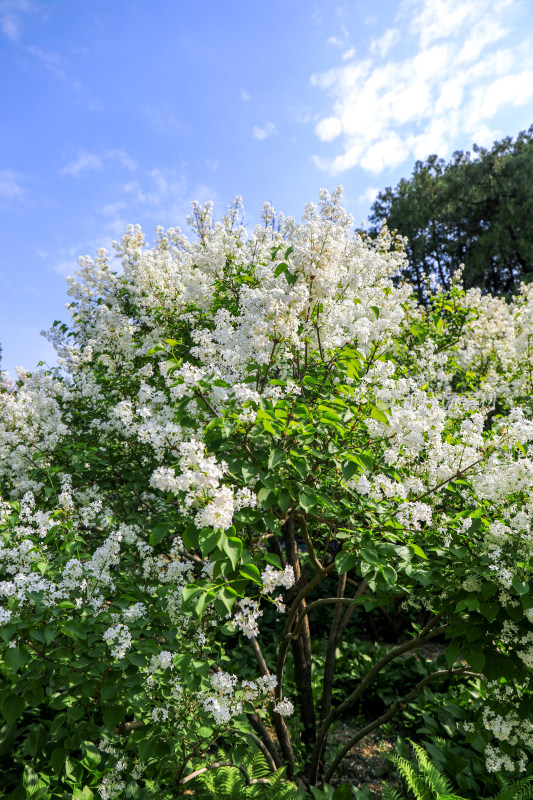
227	699
199	481
272	578
120	636
245	619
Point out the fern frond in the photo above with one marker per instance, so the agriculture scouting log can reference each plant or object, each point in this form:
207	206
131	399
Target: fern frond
389	793
518	790
413	780
433	777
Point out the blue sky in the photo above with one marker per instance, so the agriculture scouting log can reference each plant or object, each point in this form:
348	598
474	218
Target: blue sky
126	111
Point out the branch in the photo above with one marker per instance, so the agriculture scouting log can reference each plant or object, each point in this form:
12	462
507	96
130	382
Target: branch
424	636
208	404
287	637
308	543
259	656
322	602
258	725
401	703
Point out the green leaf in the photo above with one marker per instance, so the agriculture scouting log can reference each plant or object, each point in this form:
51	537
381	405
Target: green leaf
291	279
12	707
344	561
251	571
476	659
57	759
31	780
132	790
389	573
378	414
349	469
274	458
284	500
266	496
227	598
452	652
280	268
208	539
204	600
15	657
272	558
307	501
268	426
83	794
375	309
366	460
233	549
418	551
159	532
50	632
342	792
519	587
112	716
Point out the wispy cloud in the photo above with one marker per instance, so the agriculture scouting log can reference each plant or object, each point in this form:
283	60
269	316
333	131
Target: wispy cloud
162	195
369	195
245	95
268	129
94	162
461	69
83	162
11	12
10	185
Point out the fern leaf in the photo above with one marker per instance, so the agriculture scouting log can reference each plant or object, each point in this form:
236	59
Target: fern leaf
518	790
389	793
435	779
413	780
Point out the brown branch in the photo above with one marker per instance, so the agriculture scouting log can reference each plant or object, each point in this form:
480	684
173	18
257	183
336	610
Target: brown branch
282	654
259	656
425	635
213	411
333	638
308	543
265	751
401	703
260	728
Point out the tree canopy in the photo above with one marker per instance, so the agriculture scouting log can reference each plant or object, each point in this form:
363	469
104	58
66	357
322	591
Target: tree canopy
476	210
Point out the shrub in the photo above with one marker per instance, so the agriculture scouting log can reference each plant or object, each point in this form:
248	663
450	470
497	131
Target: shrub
243	421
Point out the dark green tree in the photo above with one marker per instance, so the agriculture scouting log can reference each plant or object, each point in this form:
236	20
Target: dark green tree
476	210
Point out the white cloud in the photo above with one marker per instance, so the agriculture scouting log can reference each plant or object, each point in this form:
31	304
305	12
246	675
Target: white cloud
369	195
120	157
162	195
10	187
382	44
451	66
245	96
348	54
84	162
328	129
10	17
268	129
335	41
93	162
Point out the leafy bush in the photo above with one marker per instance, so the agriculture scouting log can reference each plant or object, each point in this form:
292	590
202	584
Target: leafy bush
247	427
